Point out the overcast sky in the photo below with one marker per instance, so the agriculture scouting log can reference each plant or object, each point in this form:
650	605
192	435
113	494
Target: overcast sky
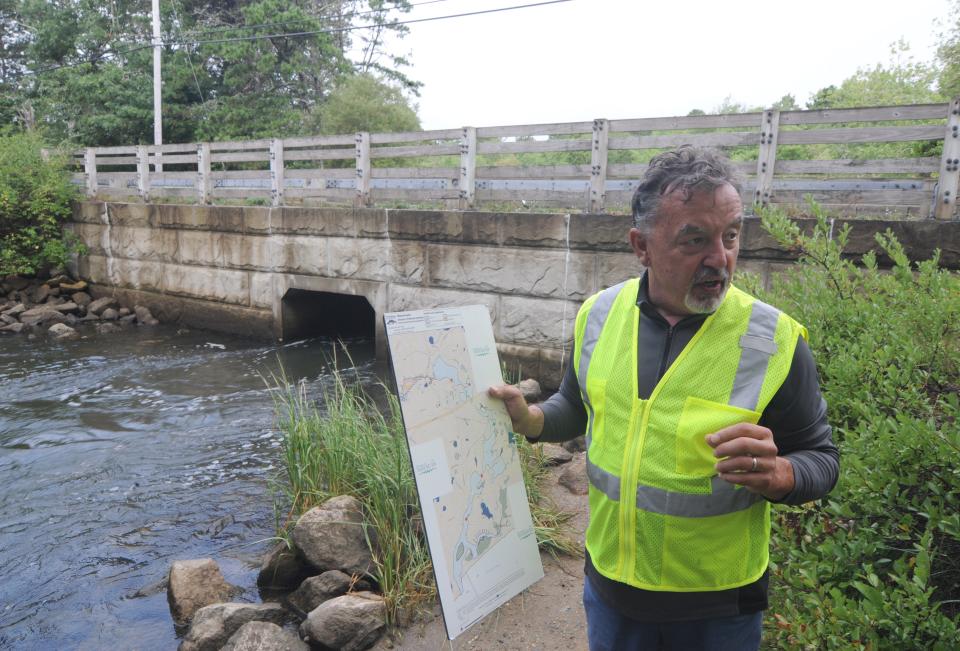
590	59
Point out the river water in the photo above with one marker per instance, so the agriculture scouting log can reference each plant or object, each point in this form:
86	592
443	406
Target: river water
121	453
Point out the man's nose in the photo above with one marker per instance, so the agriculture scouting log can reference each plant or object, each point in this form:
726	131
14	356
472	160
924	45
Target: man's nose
716	255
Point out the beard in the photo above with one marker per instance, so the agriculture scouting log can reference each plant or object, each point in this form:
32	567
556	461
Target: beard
706	304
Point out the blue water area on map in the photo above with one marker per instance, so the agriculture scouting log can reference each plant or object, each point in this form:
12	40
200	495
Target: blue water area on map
485	510
442	370
430	339
454	444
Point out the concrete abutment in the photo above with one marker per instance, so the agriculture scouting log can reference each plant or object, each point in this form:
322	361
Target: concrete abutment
290	272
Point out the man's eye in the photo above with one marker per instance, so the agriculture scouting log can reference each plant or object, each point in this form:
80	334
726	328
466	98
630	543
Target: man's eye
732	235
695	241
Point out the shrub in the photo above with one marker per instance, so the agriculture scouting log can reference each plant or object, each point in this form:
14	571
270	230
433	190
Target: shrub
876	564
35	197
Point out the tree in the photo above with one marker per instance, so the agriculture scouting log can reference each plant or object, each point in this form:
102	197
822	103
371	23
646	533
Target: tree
237	69
364	103
901	81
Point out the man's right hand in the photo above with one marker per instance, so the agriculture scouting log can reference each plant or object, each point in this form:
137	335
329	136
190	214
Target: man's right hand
527	419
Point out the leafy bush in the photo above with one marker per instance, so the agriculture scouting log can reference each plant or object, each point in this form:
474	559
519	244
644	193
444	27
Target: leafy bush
876	564
35	197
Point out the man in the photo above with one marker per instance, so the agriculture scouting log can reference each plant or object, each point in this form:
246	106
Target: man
701	405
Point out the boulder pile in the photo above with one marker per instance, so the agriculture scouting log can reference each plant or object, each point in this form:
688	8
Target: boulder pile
325	595
59	305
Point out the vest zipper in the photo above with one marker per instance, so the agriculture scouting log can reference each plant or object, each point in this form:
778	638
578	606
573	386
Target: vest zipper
666	352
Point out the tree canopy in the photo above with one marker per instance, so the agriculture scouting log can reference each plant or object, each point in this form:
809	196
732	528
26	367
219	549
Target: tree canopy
83	72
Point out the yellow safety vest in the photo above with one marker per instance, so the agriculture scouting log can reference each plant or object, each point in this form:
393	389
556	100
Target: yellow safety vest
660	518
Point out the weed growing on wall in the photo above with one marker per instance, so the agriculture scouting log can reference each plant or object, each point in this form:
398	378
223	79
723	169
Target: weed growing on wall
876	564
35	197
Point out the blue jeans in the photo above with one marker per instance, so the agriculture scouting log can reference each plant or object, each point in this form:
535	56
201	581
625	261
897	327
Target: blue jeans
608	630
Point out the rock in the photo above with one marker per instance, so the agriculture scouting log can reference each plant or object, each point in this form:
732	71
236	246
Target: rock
144	317
263	636
62	332
40	293
193	584
331	536
530	389
57	279
16	283
89	317
143	314
318	589
78	286
54	293
101	304
578	444
81	298
555	455
123	311
574	476
7	320
128	320
283	568
108	314
16	310
105	328
352	622
67	307
213	625
14	328
41	316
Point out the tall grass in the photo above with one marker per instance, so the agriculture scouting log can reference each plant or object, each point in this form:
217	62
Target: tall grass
352	448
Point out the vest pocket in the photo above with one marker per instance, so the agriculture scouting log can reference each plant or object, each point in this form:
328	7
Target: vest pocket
699	418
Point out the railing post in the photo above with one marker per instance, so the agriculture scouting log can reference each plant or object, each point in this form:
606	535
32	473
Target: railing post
468	168
143	173
767	158
203	172
276	172
363	169
598	164
90	167
945	206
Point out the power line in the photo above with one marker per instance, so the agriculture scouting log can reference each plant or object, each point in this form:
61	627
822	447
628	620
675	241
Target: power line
333	30
351	28
235	28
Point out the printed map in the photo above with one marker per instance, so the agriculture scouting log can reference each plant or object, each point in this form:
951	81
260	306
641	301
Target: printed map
465	460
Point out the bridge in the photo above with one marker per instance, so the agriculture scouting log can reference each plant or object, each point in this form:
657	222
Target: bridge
352	226
288	272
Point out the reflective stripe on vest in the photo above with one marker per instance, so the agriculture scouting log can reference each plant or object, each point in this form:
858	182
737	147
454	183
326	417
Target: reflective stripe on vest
591	334
756	348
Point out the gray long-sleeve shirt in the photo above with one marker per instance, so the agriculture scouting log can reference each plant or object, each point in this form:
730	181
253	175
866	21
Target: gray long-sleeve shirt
797	416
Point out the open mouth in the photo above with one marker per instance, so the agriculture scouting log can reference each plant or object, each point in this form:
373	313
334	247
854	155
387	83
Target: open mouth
711	286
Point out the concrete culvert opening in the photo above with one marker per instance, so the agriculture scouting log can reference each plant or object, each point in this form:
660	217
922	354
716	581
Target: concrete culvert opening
326	314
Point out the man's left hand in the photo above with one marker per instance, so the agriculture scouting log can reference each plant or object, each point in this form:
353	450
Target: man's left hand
751	460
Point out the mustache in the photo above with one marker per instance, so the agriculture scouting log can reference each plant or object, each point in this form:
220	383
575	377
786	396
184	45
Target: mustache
706	274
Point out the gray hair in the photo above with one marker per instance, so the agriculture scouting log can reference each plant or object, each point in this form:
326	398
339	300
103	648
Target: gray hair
688	169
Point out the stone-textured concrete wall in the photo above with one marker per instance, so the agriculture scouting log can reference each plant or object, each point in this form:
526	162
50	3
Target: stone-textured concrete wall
228	268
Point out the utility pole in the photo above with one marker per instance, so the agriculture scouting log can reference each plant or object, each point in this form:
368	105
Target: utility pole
157	116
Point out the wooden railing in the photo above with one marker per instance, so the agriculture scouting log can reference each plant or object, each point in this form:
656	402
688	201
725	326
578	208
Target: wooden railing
831	155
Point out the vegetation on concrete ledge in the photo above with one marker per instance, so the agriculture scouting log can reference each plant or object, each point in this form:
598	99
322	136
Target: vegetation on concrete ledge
876	564
35	197
345	445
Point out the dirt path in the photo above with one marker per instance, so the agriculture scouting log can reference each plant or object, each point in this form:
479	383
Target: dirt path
547	617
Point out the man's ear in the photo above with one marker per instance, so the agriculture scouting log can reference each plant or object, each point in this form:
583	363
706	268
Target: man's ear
641	246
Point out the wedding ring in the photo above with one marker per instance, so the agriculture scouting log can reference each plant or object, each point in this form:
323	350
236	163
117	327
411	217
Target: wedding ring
756	464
